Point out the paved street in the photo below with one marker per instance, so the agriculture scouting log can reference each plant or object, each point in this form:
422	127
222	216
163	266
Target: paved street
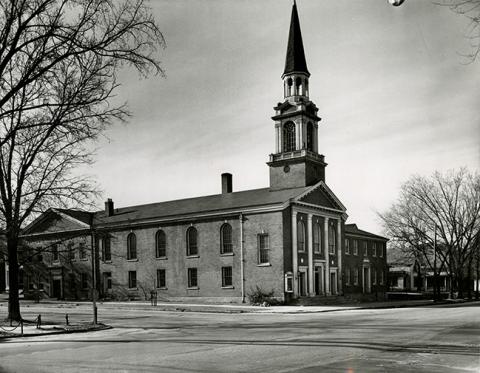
420	339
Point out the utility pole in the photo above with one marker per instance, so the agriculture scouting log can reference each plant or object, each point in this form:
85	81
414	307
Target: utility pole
94	277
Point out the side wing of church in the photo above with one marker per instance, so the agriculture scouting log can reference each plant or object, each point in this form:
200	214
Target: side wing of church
290	238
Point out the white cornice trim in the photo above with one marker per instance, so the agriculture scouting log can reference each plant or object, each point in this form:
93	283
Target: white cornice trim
272	208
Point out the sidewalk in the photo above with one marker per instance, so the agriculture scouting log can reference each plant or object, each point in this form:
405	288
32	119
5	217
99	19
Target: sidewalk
241	308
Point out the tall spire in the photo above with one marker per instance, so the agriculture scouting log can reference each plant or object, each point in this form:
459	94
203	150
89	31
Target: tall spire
295	61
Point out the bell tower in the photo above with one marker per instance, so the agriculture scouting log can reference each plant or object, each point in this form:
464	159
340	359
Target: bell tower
296	161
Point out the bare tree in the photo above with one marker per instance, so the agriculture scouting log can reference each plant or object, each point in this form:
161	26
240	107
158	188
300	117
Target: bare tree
471	10
437	219
58	65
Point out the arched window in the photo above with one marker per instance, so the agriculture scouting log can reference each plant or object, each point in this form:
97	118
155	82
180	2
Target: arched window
317	238
226	245
131	246
332	240
300	236
310	136
289	86
192	248
289	137
298	84
160	244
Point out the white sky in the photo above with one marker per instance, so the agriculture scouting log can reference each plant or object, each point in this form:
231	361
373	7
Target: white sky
395	96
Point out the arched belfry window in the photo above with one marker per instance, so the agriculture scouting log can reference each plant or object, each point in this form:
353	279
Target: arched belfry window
192	248
298	85
289	86
310	137
226	245
300	236
131	246
289	137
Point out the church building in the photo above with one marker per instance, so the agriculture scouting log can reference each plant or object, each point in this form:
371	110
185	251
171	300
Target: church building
290	238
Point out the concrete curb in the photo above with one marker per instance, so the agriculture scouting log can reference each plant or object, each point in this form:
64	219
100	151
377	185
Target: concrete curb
59	330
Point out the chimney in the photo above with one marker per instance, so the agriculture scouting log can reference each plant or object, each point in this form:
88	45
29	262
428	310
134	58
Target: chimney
226	183
109	207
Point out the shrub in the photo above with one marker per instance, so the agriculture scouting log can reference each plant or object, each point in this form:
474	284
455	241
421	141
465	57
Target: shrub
258	297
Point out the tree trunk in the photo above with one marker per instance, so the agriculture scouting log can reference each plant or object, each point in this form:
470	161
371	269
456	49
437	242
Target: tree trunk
477	284
469	279
13	272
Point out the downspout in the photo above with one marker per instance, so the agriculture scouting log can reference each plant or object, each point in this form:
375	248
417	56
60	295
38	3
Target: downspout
242	274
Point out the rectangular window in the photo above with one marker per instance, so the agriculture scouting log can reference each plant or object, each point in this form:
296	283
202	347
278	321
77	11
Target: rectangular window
374	277
82	253
227	276
107	280
132	279
263	249
355	276
107	251
84	280
55	252
381	250
374	249
365	248
161	278
347	276
192	278
381	277
347	246
70	251
355	247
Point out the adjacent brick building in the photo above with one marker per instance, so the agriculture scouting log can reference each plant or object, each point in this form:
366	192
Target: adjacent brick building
290	238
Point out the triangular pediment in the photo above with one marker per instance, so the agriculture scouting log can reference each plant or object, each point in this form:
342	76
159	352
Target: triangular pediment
54	221
321	195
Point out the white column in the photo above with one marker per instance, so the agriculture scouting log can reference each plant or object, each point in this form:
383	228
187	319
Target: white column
327	258
280	138
298	133
311	289
294	253
277	139
339	253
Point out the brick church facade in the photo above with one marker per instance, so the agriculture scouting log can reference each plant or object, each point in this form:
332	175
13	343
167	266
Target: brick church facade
290	238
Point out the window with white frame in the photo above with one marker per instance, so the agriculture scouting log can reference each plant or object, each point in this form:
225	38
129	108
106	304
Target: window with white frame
381	250
131	246
263	249
192	278
381	277
374	249
132	279
226	245
300	236
160	244
192	245
161	278
374	277
332	240
355	247
317	237
365	248
347	246
227	280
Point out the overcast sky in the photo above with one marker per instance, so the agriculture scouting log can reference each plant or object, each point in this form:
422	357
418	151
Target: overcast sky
395	96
